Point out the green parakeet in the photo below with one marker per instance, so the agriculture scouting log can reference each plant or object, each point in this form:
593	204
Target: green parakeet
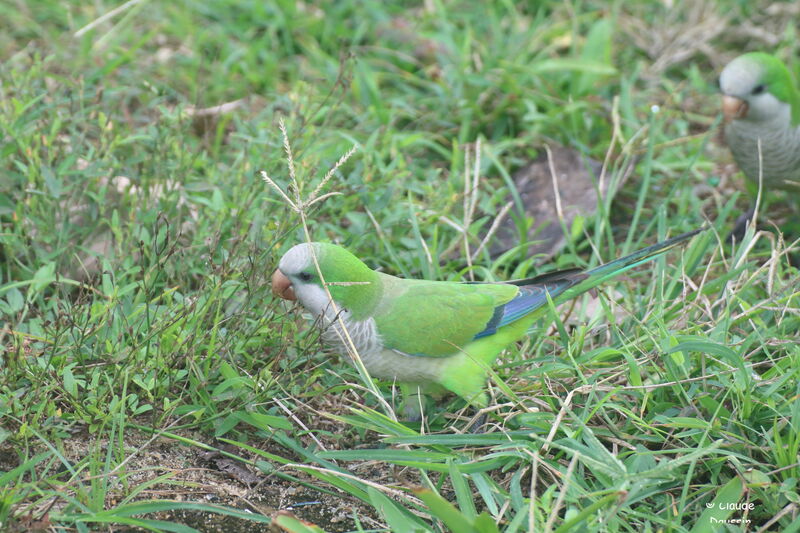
429	336
761	102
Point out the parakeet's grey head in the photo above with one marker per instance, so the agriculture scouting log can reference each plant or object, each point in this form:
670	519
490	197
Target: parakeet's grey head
297	278
757	87
351	283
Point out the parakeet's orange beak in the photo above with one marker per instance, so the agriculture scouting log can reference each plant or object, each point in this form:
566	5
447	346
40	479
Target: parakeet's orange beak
733	108
282	287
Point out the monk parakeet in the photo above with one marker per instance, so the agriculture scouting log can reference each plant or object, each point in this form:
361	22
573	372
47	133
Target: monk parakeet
761	102
429	336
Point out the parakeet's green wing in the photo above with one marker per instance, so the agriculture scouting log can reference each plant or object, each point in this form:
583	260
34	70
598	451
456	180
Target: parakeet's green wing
436	319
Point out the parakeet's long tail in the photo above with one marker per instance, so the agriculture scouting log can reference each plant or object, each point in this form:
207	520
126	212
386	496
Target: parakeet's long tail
566	284
614	268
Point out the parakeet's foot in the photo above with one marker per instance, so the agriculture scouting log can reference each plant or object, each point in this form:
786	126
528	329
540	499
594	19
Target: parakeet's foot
416	400
412	415
740	226
479	425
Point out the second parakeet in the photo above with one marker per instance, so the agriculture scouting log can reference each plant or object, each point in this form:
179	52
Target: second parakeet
761	105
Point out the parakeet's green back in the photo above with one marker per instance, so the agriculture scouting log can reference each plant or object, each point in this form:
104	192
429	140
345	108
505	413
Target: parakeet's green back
436	319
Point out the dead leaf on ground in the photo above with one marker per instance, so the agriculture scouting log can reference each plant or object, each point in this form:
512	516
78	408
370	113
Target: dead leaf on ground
574	186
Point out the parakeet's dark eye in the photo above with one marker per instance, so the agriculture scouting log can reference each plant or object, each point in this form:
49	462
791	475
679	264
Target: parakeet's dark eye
304	276
759	89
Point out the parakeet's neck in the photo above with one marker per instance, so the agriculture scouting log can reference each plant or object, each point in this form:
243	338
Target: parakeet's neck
353	286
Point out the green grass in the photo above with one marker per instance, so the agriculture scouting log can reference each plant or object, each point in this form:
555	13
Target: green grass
137	238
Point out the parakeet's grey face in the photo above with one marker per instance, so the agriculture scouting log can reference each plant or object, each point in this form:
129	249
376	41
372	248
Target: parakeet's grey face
746	96
296	279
